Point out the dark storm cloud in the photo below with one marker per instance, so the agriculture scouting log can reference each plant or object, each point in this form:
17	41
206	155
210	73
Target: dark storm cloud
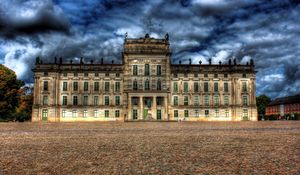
267	32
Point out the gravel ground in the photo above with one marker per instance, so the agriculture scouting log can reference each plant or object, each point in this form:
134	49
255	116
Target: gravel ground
150	148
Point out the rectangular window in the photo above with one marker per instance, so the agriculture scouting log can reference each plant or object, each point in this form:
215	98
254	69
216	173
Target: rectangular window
96	113
117	86
244	86
86	86
96	86
175	98
216	87
64	100
65	86
96	74
64	113
106	100
158	114
225	75
245	114
197	113
226	113
216	112
117	100
106	86
96	100
159	101
45	100
186	100
226	100
85	100
186	87
45	114
45	73
206	112
175	87
175	113
45	85
65	74
245	100
107	74
196	100
86	74
196	87
147	70
75	100
158	70
147	85
74	113
216	100
205	86
75	86
106	113
85	113
117	113
226	87
134	114
135	85
135	101
186	113
206	100
135	69
75	74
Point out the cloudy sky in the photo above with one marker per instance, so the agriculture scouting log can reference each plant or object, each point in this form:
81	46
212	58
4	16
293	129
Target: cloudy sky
267	31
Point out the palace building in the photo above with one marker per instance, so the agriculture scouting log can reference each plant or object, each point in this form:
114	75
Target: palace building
145	86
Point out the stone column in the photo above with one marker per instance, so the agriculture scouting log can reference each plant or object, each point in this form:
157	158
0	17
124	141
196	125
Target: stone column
165	116
129	110
141	108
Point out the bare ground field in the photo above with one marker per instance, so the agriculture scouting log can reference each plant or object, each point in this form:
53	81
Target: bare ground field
150	148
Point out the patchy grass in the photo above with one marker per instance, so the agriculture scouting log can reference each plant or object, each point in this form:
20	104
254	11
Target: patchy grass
150	148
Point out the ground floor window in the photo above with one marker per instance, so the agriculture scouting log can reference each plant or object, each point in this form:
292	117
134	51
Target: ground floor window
74	113
158	114
186	113
64	113
96	113
176	113
216	112
226	113
196	113
106	113
85	113
45	114
245	114
117	113
134	114
206	112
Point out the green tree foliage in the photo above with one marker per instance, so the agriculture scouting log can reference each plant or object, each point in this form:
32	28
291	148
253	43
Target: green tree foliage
24	109
262	101
9	93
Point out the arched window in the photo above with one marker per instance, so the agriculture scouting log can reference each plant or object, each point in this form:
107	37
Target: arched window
147	85
147	70
158	85
135	85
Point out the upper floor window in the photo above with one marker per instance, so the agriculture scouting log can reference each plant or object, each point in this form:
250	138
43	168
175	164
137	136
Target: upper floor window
216	100
106	100
75	86
206	100
45	85
85	100
75	100
135	69
117	100
158	70
196	87
107	74
117	86
147	70
186	100
65	86
106	86
244	86
205	75
96	100
186	87
196	100
226	89
158	85
117	75
96	74
195	75
64	100
86	74
245	100
216	87
244	75
215	75
205	86
45	100
159	101
75	74
117	113
135	85
226	100
96	86
175	101
45	73
147	85
86	86
186	113
225	75
65	74
175	86
106	113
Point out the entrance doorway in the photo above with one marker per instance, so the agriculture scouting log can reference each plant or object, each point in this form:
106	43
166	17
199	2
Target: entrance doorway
145	116
45	115
158	114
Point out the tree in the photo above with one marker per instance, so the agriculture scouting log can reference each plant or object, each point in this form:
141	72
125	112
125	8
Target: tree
23	111
261	102
9	96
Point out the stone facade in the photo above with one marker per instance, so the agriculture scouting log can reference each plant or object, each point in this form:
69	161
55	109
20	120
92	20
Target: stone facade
146	86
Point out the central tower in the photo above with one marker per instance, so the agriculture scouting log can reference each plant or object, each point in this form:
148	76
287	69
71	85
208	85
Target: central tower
147	78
